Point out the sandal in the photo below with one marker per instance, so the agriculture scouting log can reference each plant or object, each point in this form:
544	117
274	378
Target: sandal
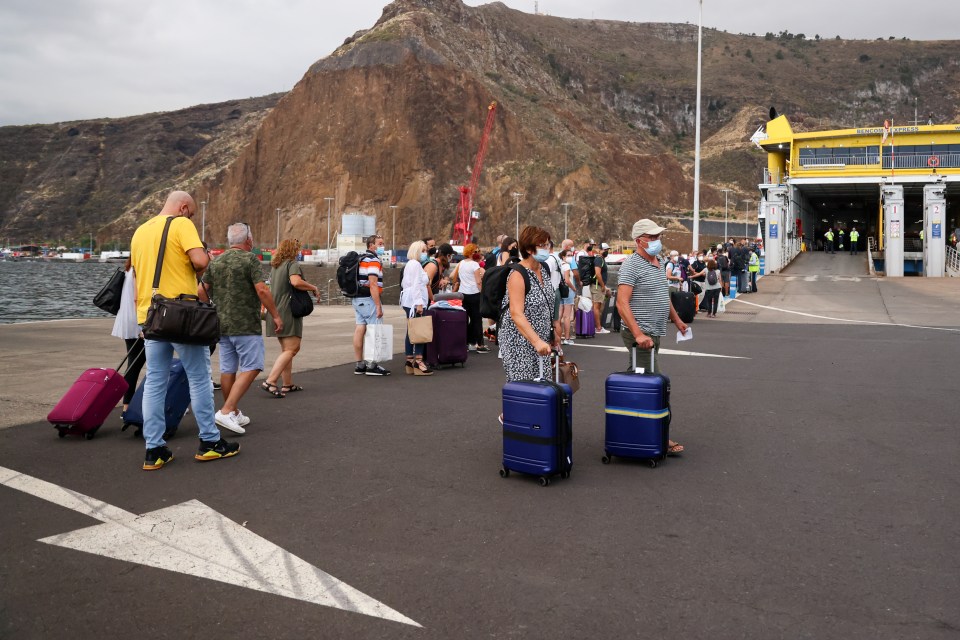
421	369
290	388
674	449
272	389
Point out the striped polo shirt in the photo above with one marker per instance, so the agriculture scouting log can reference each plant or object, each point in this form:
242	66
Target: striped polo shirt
650	301
370	265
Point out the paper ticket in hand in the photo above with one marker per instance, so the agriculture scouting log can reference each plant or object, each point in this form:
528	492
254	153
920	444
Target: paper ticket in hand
685	336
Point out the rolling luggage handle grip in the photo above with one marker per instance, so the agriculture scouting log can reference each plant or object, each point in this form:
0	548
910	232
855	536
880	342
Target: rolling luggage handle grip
543	370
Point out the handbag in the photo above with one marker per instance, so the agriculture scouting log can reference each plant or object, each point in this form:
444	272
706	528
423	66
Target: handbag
108	298
419	328
301	304
563	288
184	319
569	374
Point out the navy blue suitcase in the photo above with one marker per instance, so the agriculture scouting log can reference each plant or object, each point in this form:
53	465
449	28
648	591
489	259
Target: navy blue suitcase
537	429
637	415
177	402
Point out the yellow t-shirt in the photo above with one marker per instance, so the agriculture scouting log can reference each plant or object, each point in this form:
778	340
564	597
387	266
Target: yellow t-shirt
177	276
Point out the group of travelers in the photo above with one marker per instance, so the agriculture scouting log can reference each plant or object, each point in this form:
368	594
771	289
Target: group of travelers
536	312
711	271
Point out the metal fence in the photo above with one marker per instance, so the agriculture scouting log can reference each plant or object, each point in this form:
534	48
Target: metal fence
953	262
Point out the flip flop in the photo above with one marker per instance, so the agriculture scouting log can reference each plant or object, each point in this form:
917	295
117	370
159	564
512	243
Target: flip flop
675	449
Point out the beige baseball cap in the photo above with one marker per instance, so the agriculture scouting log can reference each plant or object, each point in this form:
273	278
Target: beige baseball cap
646	227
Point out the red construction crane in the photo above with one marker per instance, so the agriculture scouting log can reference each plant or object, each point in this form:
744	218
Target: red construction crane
463	227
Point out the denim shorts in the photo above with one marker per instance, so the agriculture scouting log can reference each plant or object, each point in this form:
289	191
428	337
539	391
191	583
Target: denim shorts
366	311
241	353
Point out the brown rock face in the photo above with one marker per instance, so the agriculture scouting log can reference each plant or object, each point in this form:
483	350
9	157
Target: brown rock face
596	113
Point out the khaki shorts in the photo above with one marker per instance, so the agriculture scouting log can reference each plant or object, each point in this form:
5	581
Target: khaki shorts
597	294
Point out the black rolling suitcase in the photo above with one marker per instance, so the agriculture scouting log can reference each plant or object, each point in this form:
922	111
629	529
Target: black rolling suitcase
685	303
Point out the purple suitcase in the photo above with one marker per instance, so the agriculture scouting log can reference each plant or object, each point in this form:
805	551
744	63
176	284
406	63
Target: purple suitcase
449	345
88	402
585	324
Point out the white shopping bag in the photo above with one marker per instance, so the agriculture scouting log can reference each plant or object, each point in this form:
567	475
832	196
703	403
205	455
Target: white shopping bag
378	343
722	304
584	304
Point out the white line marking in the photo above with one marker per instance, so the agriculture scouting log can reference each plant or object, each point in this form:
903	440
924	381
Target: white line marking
668	352
194	539
811	315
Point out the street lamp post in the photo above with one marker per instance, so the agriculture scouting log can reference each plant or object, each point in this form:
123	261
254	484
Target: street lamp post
746	218
517	196
276	246
203	220
329	202
566	211
696	164
393	243
726	193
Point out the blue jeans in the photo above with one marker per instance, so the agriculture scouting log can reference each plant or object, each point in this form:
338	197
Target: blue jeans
196	364
412	350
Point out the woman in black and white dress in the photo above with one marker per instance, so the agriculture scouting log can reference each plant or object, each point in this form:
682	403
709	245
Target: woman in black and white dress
528	330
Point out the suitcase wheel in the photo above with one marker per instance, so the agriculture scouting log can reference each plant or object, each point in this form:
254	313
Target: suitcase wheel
652	462
89	434
564	474
504	472
61	433
544	481
606	458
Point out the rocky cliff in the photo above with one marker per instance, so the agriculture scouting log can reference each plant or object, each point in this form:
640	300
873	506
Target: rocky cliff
597	113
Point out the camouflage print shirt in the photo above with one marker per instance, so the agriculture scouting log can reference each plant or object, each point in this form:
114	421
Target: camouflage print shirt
232	278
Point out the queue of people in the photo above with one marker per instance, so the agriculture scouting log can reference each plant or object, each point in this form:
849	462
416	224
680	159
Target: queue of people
536	313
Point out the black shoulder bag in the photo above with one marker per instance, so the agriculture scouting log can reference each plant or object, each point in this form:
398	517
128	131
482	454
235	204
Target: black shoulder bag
108	298
301	305
184	319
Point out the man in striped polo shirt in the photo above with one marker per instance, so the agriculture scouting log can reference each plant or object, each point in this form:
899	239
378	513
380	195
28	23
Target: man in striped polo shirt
366	304
643	300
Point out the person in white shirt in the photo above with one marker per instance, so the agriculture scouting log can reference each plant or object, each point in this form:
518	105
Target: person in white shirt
125	326
674	278
414	297
468	276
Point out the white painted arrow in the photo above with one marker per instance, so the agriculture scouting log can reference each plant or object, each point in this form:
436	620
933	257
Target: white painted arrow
194	539
668	352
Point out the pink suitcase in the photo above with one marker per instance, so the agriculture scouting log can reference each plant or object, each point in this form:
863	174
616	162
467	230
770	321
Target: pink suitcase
88	402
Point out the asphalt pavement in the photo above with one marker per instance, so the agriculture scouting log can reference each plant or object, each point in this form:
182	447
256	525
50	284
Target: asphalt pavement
817	498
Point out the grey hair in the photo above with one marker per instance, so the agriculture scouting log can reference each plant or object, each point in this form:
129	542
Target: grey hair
238	233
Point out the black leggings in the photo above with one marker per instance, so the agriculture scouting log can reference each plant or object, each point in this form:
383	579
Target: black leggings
471	303
137	359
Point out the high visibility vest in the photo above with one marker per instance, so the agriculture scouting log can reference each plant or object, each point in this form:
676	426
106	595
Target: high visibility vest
854	236
754	263
829	236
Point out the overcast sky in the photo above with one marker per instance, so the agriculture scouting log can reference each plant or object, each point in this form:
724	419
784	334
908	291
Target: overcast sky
77	59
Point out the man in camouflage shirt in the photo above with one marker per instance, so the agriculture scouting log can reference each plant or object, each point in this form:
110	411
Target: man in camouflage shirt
235	283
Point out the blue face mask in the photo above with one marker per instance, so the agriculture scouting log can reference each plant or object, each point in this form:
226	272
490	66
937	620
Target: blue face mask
380	251
424	257
542	255
653	248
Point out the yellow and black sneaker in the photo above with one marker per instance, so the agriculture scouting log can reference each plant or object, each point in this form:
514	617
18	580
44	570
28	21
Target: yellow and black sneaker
156	458
216	450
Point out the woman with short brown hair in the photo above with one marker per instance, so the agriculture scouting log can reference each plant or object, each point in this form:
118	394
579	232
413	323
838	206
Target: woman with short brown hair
528	330
286	276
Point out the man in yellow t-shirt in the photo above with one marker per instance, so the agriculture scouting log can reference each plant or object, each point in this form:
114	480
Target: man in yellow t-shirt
184	259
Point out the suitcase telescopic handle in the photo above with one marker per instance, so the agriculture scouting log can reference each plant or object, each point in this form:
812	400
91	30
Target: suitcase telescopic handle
541	360
653	352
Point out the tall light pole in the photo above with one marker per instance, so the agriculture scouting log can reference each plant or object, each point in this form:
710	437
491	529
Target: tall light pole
517	196
566	210
393	243
726	193
696	162
203	220
746	218
329	202
277	246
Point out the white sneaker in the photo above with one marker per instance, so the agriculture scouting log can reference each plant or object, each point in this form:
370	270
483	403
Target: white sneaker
242	420
569	341
602	330
228	421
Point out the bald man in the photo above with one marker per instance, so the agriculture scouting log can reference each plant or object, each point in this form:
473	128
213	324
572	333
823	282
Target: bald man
184	259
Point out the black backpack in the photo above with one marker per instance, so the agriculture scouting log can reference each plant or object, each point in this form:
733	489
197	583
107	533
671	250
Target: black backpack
348	272
723	262
585	266
493	288
712	277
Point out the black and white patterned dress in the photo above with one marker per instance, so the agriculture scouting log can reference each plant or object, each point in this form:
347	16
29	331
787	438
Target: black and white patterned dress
520	359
